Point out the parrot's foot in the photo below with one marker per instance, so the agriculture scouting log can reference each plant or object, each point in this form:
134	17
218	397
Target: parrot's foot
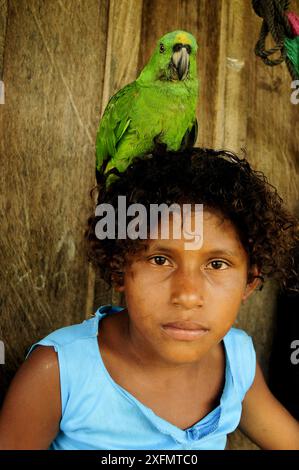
111	176
160	148
111	179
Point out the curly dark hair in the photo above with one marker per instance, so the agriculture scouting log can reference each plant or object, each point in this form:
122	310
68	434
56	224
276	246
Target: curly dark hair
219	180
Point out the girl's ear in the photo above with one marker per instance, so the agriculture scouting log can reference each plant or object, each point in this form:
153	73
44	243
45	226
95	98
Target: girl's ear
119	288
117	279
255	281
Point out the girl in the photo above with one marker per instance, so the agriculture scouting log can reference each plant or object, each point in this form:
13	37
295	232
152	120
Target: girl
168	371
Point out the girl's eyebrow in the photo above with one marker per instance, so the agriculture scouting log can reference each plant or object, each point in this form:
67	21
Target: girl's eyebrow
223	252
164	248
214	252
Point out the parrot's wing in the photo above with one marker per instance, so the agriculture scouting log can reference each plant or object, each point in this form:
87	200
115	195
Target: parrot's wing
190	136
114	124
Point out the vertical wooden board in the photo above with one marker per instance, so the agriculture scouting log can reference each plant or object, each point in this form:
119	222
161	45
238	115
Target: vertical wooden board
209	17
273	129
54	73
160	17
3	22
122	46
254	108
235	52
121	63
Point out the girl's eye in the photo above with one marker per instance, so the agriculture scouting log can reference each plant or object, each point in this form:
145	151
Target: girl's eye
218	264
162	48
159	260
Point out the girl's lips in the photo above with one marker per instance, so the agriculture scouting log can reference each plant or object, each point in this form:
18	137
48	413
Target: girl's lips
185	331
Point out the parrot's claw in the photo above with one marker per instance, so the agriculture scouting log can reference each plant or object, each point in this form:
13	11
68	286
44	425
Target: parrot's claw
160	148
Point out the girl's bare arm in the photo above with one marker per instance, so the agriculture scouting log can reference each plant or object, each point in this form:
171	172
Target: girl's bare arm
30	416
265	421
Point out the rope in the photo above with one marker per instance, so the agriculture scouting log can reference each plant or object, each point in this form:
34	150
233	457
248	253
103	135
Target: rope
275	21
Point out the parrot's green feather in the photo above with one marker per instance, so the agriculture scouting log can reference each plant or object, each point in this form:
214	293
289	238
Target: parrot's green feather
292	47
114	124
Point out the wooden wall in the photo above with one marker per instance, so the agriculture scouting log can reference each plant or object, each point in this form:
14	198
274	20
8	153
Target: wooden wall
60	61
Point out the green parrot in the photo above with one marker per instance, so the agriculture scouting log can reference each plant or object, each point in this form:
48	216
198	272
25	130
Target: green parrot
158	108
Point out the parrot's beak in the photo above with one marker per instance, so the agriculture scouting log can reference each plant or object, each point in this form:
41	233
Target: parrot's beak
180	59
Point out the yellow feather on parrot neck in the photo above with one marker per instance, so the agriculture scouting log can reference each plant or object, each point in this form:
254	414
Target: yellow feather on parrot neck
158	108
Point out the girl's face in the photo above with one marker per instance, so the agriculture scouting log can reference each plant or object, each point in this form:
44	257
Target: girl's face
182	302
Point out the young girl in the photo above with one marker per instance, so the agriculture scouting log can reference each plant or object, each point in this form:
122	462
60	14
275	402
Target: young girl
169	371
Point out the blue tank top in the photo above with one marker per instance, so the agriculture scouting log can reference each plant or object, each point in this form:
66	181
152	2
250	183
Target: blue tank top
98	414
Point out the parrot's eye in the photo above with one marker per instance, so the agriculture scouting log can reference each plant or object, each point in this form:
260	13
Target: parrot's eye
162	48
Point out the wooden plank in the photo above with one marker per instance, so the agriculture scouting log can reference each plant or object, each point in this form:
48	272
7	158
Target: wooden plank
54	74
3	22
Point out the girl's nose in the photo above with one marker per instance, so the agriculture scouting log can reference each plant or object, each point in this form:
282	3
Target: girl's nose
187	289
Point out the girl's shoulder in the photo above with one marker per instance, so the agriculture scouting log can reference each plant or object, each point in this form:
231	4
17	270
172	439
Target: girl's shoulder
73	352
237	337
242	359
68	334
239	342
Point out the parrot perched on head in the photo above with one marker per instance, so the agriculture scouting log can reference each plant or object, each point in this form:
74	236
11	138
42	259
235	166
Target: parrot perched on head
159	107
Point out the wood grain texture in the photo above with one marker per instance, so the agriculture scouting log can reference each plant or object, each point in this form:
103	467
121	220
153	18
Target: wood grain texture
62	62
54	77
3	22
